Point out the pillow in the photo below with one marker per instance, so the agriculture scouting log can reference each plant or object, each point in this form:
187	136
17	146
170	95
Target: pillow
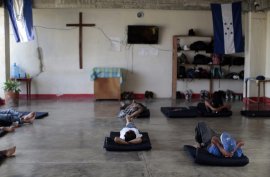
201	156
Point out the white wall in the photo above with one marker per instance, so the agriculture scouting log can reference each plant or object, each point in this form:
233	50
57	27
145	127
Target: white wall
61	54
4	50
255	51
267	65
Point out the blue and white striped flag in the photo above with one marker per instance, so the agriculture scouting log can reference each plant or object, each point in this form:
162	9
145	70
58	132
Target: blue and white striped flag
20	13
227	23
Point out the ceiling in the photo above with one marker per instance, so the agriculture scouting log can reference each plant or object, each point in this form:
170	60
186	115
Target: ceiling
248	5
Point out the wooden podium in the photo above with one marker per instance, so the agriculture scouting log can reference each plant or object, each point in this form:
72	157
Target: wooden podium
107	88
107	83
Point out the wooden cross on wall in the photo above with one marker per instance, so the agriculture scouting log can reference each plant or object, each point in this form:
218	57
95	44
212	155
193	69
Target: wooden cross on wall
81	25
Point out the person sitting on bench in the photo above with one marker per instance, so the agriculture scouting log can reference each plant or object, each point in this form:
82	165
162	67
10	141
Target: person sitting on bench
7	153
216	103
225	146
132	110
9	117
129	134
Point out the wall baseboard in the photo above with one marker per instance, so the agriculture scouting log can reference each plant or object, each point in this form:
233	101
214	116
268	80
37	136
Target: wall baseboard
253	100
68	96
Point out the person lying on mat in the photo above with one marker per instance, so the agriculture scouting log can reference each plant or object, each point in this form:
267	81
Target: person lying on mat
10	116
6	153
218	145
129	134
216	103
132	110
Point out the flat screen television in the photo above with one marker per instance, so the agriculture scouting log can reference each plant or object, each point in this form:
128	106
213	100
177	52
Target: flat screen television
139	34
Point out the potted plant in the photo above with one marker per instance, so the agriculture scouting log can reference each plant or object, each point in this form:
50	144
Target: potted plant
12	91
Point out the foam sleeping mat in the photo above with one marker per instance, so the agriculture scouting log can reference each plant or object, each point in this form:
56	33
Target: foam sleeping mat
219	114
205	113
144	114
262	113
179	112
39	115
201	156
110	145
2	133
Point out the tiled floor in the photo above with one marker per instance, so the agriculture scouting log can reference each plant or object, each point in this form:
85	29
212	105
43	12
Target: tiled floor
69	142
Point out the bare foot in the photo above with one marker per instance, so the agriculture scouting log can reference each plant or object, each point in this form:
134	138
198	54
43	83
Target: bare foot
10	152
29	118
32	119
8	129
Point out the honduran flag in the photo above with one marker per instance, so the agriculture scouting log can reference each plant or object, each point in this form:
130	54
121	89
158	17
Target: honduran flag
227	25
20	13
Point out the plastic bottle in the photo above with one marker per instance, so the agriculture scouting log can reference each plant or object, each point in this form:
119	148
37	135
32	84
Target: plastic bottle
15	71
22	73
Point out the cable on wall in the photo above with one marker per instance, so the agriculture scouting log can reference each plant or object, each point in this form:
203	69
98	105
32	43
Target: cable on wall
122	43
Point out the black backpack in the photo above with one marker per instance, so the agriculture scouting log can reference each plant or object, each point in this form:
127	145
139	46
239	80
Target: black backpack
199	45
190	73
238	61
200	59
226	60
181	72
241	74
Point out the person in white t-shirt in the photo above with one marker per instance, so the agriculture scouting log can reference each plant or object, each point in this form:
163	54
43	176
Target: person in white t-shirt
129	134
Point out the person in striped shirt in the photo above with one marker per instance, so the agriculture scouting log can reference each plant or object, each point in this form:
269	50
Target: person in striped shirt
131	110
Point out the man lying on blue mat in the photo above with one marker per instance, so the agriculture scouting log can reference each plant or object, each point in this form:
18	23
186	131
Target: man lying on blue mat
129	134
11	117
225	146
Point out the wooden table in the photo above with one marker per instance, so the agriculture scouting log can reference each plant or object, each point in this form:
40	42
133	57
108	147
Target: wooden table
107	82
107	88
258	83
28	85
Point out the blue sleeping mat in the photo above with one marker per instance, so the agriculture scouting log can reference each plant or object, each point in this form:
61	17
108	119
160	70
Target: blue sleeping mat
201	156
249	113
39	115
110	145
179	112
